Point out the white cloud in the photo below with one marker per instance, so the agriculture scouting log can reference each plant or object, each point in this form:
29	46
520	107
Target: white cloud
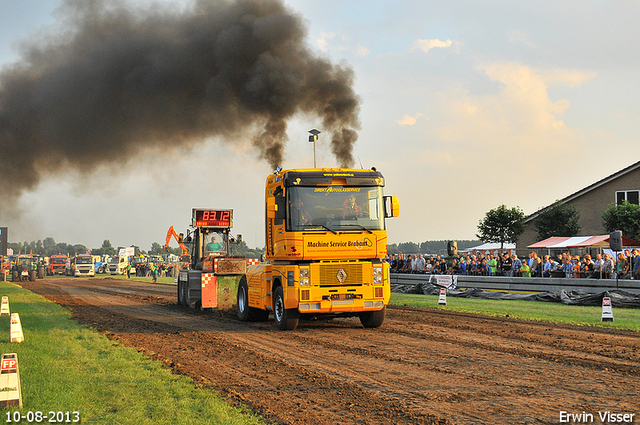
426	45
519	127
572	78
362	51
324	39
525	97
331	41
408	120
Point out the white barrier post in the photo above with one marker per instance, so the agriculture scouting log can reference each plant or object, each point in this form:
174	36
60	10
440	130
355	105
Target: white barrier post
16	328
4	309
10	392
442	299
607	311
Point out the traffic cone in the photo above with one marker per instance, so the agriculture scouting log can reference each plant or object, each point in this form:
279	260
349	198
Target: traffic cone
607	312
442	299
16	328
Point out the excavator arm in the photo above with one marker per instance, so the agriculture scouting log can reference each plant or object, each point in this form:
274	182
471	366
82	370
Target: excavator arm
171	232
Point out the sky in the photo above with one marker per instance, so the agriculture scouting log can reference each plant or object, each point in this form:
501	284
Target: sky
464	106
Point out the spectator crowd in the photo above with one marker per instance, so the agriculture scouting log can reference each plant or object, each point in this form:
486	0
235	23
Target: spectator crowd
625	266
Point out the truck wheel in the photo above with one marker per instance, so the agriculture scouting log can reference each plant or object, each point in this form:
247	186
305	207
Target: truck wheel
286	319
185	294
373	319
14	276
246	313
189	298
32	276
179	291
243	300
182	294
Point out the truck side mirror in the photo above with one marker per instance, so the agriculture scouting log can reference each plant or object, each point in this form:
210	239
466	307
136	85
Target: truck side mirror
391	208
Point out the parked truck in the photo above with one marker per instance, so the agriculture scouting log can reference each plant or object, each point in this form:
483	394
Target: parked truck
117	264
82	265
325	239
57	264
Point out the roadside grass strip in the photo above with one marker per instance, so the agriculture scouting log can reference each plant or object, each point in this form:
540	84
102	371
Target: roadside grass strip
625	318
65	367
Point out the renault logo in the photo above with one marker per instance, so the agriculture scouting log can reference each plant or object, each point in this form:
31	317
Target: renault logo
341	276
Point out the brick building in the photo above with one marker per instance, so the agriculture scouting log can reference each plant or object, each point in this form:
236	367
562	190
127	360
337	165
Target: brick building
592	201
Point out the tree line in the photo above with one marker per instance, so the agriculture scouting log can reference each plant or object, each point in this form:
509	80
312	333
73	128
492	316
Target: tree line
505	225
428	247
48	247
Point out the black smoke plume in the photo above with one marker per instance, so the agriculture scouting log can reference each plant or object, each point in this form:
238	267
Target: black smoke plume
114	80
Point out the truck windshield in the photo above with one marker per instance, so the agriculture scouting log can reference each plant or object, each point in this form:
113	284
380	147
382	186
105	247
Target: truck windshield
58	260
334	208
83	260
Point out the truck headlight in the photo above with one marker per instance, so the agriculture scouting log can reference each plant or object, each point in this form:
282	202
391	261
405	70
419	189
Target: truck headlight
304	281
304	272
377	271
377	280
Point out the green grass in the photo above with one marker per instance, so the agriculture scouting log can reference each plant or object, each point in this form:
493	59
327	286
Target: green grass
624	318
67	367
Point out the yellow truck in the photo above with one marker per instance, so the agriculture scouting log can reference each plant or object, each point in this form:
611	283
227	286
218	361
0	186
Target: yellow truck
325	238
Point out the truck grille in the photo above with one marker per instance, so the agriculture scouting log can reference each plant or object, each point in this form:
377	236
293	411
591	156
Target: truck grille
332	274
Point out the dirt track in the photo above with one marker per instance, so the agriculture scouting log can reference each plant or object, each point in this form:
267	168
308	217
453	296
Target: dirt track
422	366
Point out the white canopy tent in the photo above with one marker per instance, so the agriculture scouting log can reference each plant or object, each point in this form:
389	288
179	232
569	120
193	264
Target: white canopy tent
492	248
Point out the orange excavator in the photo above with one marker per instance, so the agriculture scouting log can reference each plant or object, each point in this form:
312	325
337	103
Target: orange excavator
185	257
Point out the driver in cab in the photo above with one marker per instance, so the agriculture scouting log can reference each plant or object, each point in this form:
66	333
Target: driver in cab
351	210
213	246
299	214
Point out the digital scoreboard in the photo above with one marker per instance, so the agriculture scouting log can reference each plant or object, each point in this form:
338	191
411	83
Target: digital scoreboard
212	218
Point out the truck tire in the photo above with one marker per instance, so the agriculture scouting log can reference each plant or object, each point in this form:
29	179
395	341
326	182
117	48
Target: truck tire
373	319
179	292
32	276
286	319
15	277
182	293
246	313
189	298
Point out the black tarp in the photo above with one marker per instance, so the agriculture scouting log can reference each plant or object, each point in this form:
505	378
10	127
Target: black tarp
619	298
